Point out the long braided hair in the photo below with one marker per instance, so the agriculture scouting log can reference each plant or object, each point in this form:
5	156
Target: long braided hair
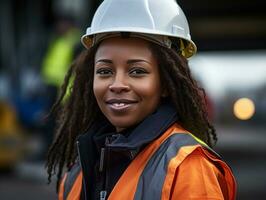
80	110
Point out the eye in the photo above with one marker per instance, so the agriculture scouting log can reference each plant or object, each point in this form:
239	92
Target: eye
104	71
138	71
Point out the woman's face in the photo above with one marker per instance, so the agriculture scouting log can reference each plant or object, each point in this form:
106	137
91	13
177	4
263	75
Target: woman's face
126	81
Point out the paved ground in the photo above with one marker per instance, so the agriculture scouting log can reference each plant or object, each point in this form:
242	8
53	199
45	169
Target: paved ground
14	188
243	148
27	182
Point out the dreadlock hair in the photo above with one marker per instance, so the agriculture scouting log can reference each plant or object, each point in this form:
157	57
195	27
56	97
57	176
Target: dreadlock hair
80	110
188	98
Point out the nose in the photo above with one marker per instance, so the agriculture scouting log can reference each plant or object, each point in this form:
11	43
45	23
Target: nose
119	84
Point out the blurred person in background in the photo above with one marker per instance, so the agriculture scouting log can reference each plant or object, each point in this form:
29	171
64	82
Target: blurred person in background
135	124
61	51
63	47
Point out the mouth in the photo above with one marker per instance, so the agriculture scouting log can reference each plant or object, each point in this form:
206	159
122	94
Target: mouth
120	104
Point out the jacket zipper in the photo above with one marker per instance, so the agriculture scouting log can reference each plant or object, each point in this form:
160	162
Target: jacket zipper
84	184
103	195
102	169
104	161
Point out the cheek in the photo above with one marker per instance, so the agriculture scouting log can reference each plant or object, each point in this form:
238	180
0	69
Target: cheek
98	89
150	89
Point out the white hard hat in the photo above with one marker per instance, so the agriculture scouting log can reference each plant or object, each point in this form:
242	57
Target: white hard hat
160	21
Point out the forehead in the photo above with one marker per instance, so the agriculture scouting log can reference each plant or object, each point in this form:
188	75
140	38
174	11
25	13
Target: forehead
124	47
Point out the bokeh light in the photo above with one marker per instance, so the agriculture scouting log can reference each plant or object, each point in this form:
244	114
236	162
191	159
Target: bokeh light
244	108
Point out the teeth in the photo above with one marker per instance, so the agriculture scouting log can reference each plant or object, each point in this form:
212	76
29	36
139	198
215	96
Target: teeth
119	104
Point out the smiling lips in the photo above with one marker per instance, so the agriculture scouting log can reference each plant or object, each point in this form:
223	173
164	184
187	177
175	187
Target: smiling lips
120	104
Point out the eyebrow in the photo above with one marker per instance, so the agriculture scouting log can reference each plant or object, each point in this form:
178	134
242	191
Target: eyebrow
104	60
136	60
128	62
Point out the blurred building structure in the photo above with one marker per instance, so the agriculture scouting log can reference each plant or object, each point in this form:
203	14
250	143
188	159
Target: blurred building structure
216	26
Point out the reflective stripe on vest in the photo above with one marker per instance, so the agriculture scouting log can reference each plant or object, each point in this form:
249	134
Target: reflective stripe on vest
152	179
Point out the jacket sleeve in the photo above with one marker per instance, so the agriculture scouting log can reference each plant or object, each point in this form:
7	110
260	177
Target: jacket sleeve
198	178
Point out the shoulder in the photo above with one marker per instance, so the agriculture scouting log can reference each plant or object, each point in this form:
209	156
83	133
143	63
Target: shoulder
202	175
200	165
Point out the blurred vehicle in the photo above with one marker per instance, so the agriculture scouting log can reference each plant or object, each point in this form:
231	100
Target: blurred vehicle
11	138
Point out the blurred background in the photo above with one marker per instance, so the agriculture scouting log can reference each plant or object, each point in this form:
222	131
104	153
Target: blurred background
40	38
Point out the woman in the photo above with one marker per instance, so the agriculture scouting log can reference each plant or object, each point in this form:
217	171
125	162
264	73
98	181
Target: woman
135	112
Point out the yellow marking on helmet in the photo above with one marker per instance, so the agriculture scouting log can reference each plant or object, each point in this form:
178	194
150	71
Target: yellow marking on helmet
182	47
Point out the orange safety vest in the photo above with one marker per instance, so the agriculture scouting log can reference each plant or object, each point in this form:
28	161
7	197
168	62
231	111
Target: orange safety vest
175	166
